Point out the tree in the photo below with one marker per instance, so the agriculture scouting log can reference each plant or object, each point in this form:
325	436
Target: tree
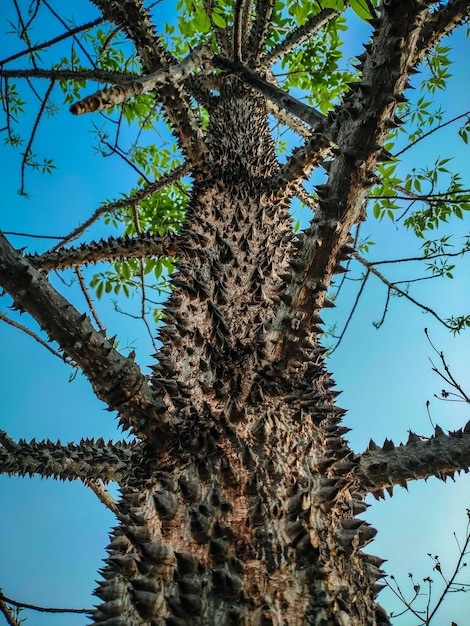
240	496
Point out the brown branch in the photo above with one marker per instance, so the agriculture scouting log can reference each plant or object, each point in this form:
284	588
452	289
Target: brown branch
439	24
359	127
41	609
174	74
91	306
29	332
259	30
7	613
102	494
298	36
99	76
112	249
141	194
134	20
393	287
281	98
421	457
89	460
116	380
71	33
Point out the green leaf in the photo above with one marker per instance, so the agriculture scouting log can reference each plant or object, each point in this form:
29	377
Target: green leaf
361	9
218	20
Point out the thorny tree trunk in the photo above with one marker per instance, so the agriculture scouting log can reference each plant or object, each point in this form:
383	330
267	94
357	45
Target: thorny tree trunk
249	516
239	503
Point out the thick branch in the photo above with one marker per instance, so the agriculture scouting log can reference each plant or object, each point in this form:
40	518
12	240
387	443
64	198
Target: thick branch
440	455
112	249
259	30
89	460
281	98
441	23
116	380
359	127
134	20
170	75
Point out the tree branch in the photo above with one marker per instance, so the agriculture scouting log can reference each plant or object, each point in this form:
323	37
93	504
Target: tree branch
138	196
170	75
102	494
259	30
359	128
111	249
439	24
46	44
41	609
116	380
440	455
370	268
281	98
89	460
7	613
134	20
298	36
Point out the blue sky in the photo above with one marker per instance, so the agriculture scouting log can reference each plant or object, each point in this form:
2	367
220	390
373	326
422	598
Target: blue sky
54	534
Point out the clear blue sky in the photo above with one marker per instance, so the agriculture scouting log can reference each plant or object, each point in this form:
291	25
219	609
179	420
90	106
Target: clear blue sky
54	535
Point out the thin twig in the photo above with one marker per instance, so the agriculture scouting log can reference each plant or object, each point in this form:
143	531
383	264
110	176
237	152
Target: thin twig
393	286
51	42
16	234
33	133
6	319
356	302
90	303
41	609
430	132
65	25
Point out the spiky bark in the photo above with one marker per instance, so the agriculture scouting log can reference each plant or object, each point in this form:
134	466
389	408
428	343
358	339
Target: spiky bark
242	506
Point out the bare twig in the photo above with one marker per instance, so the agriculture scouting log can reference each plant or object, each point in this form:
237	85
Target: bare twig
27	151
430	132
399	291
29	332
41	609
50	42
448	377
91	306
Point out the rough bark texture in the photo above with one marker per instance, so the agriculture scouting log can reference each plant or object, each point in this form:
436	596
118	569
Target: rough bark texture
242	506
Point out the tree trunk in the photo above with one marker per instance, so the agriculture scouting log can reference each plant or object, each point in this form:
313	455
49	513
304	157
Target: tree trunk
240	494
248	516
